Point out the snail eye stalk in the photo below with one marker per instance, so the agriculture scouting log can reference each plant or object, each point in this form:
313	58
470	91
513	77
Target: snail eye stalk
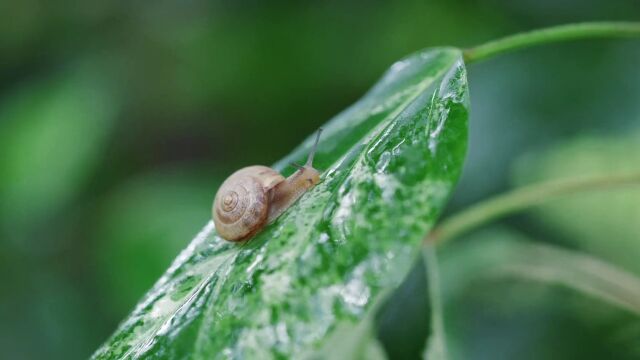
314	149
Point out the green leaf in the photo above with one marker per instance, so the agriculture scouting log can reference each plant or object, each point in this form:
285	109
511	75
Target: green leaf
410	324
604	223
524	297
500	253
581	272
353	341
51	135
390	163
436	346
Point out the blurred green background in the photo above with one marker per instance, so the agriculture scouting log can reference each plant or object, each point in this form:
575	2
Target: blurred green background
119	119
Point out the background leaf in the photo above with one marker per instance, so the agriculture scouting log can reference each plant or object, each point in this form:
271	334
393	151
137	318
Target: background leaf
552	265
391	161
436	345
581	272
606	224
50	134
490	300
54	131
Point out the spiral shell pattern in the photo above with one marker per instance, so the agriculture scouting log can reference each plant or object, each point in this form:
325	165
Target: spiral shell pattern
241	206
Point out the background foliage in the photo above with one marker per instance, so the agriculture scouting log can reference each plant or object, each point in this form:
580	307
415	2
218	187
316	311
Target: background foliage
119	120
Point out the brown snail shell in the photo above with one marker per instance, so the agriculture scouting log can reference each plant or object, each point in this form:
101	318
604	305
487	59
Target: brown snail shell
241	206
257	195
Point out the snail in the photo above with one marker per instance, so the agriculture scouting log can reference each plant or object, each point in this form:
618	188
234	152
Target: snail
255	196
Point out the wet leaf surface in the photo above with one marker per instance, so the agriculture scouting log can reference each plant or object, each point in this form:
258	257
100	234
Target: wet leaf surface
389	164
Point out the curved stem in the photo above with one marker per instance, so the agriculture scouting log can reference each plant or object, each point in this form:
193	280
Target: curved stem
522	199
550	35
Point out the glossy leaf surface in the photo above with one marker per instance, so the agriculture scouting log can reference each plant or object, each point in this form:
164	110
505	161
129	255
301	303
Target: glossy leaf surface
390	163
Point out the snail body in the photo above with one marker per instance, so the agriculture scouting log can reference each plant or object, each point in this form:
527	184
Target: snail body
255	196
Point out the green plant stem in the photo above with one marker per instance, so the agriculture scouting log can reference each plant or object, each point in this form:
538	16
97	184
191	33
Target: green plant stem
551	35
522	199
